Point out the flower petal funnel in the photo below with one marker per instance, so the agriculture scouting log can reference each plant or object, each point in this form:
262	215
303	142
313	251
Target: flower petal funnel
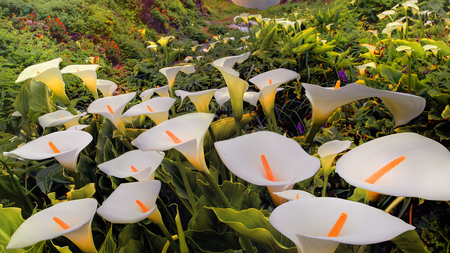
308	223
267	159
183	133
410	165
64	146
171	72
87	73
71	219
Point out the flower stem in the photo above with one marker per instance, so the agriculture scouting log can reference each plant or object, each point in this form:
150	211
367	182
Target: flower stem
219	193
166	212
168	236
325	183
362	248
274	121
186	182
77	180
409	76
312	132
394	204
211	132
237	123
18	186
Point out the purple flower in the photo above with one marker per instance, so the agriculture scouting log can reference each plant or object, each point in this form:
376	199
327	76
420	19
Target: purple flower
300	128
343	76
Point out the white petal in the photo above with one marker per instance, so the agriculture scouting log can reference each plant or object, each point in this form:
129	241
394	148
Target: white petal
333	147
171	72
288	161
86	72
200	99
422	174
277	76
34	70
106	87
159	105
116	103
120	167
229	61
251	97
57	118
77	127
161	91
292	195
41	226
121	207
222	96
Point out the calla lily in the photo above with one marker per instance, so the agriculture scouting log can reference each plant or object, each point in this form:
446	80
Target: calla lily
213	44
195	47
408	165
404	107
200	99
183	133
131	202
171	72
407	49
286	24
87	73
432	48
318	225
222	96
292	195
59	117
266	20
256	17
268	82
48	73
77	127
236	87
64	146
243	16
164	40
71	219
374	32
206	50
161	91
414	8
106	87
244	39
229	61
153	47
225	40
267	159
138	164
156	109
112	108
386	13
252	97
369	47
362	68
188	59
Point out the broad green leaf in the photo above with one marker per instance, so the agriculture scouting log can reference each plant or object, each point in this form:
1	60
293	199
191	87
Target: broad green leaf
444	48
305	34
410	242
418	52
173	56
9	191
443	130
155	242
210	241
321	49
21	101
267	40
42	101
253	225
237	194
359	195
390	73
46	177
109	246
87	168
105	133
172	168
109	151
10	220
416	85
129	233
86	192
206	219
435	114
303	48
133	246
446	113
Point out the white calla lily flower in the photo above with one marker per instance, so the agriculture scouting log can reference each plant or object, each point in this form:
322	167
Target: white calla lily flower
183	133
200	99
77	127
131	202
362	68
318	225
106	87
171	72
156	109
87	73
71	219
243	16
64	146
222	96
112	108
138	164
161	91
60	117
229	61
292	195
403	164
267	159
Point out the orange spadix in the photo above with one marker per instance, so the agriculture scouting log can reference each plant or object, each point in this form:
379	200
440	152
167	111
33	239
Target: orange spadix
267	168
133	168
334	232
338	85
142	206
386	168
110	110
61	223
173	137
53	147
297	197
270	81
149	108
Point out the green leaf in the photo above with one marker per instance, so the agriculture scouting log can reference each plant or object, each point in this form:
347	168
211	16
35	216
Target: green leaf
321	49
10	220
416	85
86	167
210	241
109	245
105	133
359	195
305	34
109	151
303	48
444	48
253	225
390	73
443	130
9	191
206	219
42	101
410	242
129	233
267	39
446	113
21	101
172	168
46	177
86	192
418	52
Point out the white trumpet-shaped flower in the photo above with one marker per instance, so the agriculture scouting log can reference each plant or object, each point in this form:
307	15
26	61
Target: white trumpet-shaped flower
329	150
403	164
47	73
222	96
244	17
362	68
161	91
407	49
318	225
324	101
138	164
60	117
112	108
229	61
267	159
171	72
156	109
163	41
64	146
87	73
292	195
200	99
106	87
183	133
71	219
131	202
268	82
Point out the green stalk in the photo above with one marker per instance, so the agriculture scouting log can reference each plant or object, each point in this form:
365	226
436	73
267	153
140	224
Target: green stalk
409	75
362	248
211	132
166	212
324	188
274	121
77	180
394	204
237	123
186	182
251	36
168	236
312	132
18	186
219	194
